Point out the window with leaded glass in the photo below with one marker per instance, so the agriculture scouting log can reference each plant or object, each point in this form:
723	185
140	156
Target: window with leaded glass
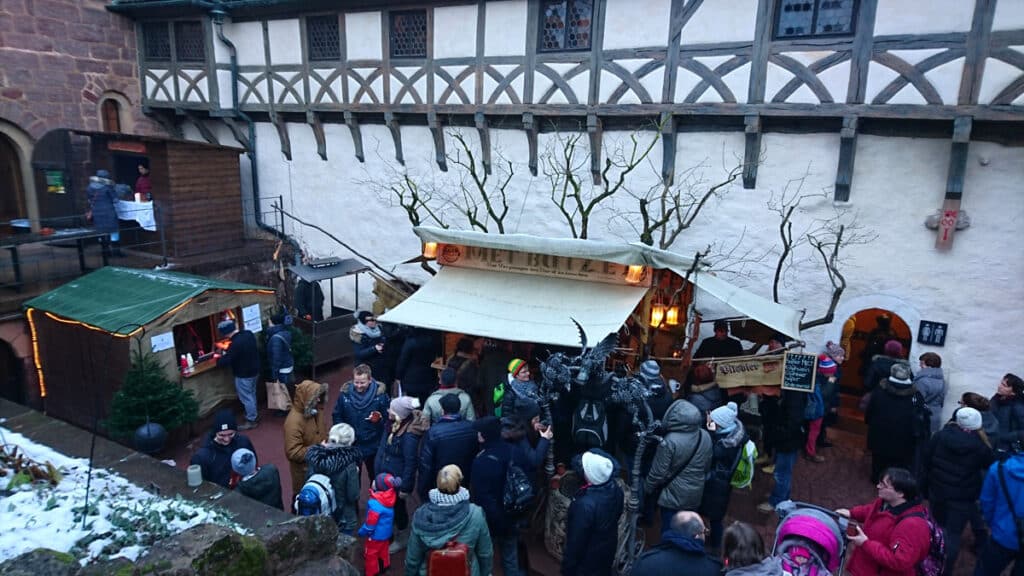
322	39
189	44
803	18
566	25
156	41
409	34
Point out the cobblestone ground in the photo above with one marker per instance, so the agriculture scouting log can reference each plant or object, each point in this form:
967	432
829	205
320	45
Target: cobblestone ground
843	480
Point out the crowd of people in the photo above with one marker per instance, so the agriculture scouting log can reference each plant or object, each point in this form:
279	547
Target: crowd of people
469	443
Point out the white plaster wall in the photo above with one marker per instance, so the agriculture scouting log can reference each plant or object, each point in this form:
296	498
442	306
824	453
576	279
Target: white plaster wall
1008	16
897	183
995	78
625	29
505	28
455	31
363	40
285	41
248	40
900	17
722	21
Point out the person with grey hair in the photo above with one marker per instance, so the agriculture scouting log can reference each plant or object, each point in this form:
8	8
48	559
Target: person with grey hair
681	550
339	460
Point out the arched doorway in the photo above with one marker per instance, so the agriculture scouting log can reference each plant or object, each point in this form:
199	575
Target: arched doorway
12	189
863	334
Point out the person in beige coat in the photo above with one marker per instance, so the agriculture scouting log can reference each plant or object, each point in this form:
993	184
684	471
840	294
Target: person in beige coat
304	427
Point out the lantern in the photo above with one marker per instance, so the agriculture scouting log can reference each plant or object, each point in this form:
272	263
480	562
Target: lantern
672	315
657	314
430	250
634	274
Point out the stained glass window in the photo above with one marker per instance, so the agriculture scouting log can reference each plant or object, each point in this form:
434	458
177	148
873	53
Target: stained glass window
189	44
566	25
157	41
322	40
802	18
409	34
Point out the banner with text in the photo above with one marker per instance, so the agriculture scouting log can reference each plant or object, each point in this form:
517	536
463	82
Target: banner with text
749	371
536	264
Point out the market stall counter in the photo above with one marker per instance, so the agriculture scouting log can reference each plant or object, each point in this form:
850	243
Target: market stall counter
84	331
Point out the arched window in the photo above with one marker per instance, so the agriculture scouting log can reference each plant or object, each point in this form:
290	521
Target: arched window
110	115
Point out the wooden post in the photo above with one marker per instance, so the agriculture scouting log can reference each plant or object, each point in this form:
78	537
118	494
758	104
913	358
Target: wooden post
751	150
847	152
954	182
357	136
313	119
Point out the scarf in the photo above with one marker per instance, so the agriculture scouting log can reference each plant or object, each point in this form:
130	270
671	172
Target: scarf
442	499
361	400
367	331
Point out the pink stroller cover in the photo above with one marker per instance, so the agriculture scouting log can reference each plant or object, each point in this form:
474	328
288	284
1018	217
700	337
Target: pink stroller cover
815	530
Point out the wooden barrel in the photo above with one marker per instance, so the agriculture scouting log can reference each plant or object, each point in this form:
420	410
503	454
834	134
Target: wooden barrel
558	511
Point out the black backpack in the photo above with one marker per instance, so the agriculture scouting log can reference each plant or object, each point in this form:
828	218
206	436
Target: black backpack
519	492
922	418
589	425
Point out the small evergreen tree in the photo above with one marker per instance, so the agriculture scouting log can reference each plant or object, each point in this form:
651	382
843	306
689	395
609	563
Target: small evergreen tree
146	390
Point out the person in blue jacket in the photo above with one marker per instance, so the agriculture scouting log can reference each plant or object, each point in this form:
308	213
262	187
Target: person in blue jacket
279	351
592	526
378	527
363	405
1003	547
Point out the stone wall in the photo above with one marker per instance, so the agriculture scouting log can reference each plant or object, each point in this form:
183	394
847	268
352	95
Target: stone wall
60	58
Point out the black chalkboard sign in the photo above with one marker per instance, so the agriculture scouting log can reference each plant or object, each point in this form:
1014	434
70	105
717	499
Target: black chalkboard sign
799	371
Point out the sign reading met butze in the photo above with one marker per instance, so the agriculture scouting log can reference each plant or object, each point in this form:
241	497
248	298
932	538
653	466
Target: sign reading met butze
537	264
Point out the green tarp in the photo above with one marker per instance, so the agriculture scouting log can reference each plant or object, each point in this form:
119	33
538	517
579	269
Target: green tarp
118	299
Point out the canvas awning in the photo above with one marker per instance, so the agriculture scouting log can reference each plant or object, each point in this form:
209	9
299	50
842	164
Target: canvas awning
517	307
776	316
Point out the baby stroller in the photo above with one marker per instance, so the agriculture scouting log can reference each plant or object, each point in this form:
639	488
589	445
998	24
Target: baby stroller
810	540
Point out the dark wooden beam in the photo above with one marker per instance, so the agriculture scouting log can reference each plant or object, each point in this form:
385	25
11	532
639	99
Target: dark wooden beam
531	128
240	135
596	133
530	58
204	131
751	150
954	182
668	149
313	119
596	53
860	56
396	135
847	153
978	44
485	140
282	135
357	135
760	52
437	132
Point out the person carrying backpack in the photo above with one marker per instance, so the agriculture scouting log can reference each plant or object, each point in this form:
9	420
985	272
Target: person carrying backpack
316	497
487	490
729	438
681	462
894	536
449	534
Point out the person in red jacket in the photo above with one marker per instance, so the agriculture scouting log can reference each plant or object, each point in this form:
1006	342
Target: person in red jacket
893	536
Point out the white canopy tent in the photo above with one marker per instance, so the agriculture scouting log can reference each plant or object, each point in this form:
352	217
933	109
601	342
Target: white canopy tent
530	308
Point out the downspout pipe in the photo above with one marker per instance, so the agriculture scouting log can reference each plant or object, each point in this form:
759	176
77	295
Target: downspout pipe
218	14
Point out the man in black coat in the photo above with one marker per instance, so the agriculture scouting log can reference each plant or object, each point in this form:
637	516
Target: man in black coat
413	371
681	550
953	466
721	345
262	483
592	525
789	439
891	418
244	359
214	458
487	490
451	440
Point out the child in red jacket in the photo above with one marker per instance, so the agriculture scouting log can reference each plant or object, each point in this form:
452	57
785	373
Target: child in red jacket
380	515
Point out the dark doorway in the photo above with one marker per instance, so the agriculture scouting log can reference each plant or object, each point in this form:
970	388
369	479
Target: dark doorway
12	191
12	375
857	337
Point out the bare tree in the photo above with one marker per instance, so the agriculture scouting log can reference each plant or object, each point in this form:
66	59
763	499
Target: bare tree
477	192
564	166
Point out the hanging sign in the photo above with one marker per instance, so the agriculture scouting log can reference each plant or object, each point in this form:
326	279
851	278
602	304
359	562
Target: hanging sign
251	318
537	264
799	371
162	341
749	371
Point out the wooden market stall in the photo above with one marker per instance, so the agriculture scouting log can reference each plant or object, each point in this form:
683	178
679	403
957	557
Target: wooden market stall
84	331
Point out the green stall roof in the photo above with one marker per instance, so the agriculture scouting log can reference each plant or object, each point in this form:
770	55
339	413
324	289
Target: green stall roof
113	298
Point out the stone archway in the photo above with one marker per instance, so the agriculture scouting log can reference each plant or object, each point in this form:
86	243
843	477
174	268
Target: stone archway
22	145
17	374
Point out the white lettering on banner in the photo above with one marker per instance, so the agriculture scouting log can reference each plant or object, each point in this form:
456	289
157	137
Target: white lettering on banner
535	264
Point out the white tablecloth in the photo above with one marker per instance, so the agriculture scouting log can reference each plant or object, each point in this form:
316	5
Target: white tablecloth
141	212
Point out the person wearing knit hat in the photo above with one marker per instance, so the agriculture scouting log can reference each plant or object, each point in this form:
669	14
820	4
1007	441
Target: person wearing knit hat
650	373
730	438
835	351
877	367
900	375
379	525
399	455
591	534
954	464
488	427
487	483
215	456
894	422
244	359
518	394
894	348
261	483
447	387
814	413
826	365
517	366
828	382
